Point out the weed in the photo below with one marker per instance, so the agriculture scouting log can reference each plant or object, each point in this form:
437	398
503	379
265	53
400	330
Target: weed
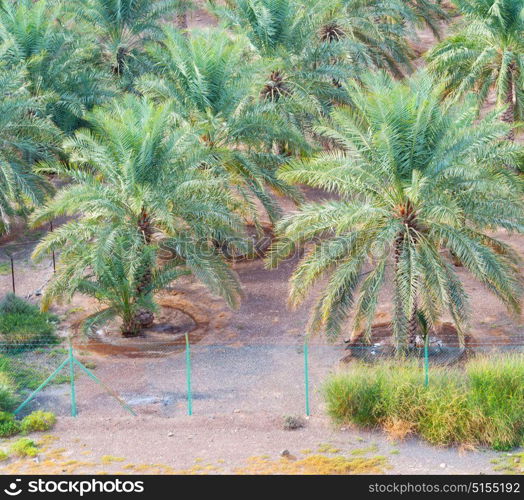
481	403
8	425
38	421
24	447
108	459
316	464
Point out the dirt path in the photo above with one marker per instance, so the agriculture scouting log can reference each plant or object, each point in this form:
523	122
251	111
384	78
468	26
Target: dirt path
240	443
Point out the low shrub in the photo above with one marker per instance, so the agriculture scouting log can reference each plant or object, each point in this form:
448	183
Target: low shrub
8	425
23	326
11	304
24	447
24	372
3	455
481	403
38	421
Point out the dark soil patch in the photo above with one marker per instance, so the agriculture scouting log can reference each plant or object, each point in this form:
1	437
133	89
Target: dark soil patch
166	336
444	346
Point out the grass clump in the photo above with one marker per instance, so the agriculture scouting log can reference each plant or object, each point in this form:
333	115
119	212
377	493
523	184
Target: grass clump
316	465
479	404
511	463
109	459
19	376
38	421
23	326
8	425
24	447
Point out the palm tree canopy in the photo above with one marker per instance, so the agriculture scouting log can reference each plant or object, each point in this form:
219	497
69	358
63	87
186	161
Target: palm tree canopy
26	136
137	177
59	63
215	87
414	177
123	27
486	52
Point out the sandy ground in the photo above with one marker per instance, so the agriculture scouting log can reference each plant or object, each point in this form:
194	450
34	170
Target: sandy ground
239	443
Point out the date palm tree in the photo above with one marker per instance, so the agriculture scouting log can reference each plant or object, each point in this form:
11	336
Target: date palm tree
486	53
284	34
137	185
58	62
124	26
26	136
215	85
379	31
356	34
114	278
415	178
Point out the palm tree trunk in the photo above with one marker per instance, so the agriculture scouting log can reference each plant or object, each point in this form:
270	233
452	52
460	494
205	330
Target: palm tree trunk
181	17
413	320
118	68
413	326
181	21
130	327
144	317
397	245
509	115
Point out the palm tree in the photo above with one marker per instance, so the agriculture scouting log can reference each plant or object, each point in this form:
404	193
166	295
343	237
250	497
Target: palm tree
357	34
376	33
137	183
25	137
114	278
414	177
124	26
59	64
214	84
486	53
284	34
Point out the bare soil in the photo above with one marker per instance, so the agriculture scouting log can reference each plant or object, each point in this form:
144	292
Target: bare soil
225	444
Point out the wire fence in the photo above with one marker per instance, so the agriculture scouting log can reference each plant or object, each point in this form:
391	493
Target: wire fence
173	379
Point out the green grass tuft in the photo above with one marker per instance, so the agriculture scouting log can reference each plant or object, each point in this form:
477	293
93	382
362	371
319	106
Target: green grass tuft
24	447
38	421
479	404
8	425
23	326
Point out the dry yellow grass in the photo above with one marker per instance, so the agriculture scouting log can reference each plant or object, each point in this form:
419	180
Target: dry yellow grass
315	464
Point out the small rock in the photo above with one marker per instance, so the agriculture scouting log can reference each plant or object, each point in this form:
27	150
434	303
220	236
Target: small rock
443	466
236	410
170	434
285	453
343	429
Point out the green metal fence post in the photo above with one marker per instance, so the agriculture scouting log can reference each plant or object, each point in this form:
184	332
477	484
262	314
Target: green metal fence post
188	378
72	379
306	376
426	361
